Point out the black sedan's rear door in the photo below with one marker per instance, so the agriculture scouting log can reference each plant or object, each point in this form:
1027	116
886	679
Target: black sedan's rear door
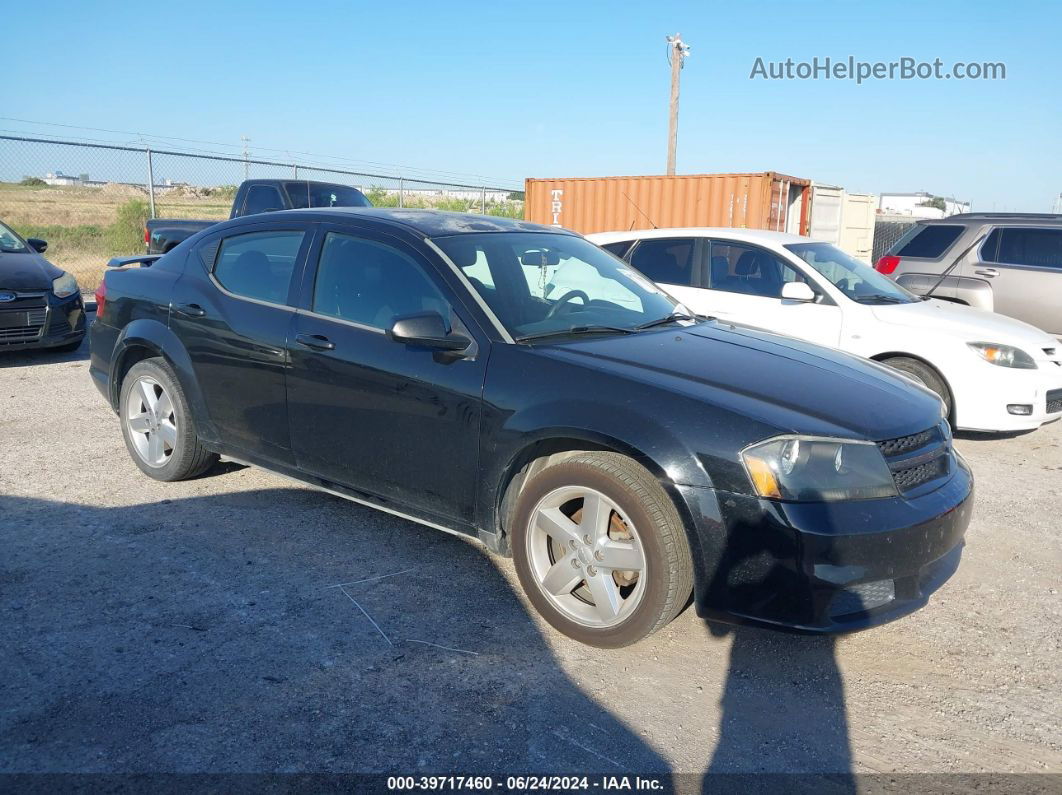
233	311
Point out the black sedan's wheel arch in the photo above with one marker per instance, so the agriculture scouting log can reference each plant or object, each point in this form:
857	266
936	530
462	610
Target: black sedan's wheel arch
662	531
544	452
145	338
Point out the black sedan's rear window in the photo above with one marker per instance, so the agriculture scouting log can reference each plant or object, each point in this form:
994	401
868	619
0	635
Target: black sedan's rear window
928	240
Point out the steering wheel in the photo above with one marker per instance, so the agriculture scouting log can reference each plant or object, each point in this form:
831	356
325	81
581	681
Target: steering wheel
563	301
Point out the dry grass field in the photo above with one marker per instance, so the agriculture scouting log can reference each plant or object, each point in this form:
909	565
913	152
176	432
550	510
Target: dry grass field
84	227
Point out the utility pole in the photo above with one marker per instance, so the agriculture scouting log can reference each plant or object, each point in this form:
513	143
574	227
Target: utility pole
246	141
677	52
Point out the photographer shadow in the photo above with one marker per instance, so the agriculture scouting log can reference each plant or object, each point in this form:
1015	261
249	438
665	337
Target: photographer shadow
278	630
783	710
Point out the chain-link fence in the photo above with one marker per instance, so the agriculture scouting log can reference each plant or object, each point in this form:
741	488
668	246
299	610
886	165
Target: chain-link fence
887	230
90	201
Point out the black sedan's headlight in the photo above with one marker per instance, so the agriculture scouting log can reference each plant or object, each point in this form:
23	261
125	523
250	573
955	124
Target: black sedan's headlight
816	469
64	286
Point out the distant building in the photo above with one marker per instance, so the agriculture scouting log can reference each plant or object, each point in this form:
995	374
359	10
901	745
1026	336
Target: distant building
913	205
59	178
445	193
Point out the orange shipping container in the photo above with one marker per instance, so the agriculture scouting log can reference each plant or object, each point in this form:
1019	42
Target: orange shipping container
605	204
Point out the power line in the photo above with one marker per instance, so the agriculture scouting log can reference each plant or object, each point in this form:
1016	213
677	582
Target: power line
141	137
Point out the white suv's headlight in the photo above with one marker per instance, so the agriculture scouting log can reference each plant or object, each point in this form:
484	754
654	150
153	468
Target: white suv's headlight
64	286
1003	355
814	469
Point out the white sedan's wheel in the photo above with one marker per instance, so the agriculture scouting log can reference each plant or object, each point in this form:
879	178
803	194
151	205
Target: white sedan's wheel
600	549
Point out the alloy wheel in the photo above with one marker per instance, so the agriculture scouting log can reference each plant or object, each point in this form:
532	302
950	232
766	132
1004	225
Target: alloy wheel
586	556
151	421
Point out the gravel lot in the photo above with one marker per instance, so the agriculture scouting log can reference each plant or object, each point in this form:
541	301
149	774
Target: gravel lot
197	627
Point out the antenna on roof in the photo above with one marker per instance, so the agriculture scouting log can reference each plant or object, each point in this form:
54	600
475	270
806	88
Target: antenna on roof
639	209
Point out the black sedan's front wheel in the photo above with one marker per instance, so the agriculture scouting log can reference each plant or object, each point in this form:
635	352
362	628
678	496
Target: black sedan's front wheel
157	425
601	550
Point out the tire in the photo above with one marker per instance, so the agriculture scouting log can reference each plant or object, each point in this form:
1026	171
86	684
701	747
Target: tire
162	441
923	374
640	519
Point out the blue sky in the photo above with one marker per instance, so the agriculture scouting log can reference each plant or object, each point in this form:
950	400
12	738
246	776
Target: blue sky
544	88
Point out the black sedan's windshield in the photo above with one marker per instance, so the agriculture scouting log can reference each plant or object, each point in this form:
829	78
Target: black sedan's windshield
541	284
855	279
10	242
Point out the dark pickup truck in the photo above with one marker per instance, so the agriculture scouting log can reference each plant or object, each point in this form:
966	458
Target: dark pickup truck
256	196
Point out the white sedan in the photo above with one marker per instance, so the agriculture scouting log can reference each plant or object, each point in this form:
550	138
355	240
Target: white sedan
994	373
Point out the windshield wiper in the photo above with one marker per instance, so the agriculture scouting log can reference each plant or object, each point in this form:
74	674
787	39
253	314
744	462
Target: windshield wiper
565	332
661	321
879	298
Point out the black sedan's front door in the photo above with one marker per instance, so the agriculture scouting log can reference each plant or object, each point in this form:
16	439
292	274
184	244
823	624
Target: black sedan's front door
396	421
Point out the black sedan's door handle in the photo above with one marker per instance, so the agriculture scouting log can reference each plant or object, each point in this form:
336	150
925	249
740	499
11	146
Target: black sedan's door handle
190	310
316	341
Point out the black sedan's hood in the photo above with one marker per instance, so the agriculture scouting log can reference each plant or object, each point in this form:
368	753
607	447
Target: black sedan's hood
794	386
26	271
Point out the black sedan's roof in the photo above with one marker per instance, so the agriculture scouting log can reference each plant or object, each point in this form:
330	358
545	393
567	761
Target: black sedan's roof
429	223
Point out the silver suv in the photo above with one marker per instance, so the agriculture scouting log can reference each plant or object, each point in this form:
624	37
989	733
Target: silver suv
1009	263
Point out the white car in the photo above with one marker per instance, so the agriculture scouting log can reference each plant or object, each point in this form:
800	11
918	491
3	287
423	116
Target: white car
994	373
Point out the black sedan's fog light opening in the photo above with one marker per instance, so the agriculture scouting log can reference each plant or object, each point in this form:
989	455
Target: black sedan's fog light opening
1021	409
862	597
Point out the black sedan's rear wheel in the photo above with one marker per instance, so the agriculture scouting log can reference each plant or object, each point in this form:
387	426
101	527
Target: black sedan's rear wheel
157	425
601	550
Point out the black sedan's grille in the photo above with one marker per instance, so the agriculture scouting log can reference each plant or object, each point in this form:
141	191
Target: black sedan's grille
907	479
918	458
1054	401
906	444
23	319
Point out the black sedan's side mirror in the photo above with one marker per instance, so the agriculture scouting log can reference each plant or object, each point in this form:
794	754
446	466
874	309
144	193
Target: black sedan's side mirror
38	245
428	330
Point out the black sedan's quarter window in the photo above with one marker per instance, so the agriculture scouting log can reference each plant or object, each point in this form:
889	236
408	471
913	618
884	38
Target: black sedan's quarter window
258	265
371	283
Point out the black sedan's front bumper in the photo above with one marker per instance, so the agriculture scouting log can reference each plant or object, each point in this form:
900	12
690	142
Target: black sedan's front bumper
825	567
40	320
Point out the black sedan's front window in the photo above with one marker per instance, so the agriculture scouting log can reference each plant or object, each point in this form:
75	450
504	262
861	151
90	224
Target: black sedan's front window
538	284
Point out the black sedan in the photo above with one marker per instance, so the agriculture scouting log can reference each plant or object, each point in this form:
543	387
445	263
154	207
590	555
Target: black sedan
627	454
40	304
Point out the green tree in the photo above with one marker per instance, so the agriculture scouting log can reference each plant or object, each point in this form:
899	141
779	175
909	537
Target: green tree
126	234
381	197
935	201
32	182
